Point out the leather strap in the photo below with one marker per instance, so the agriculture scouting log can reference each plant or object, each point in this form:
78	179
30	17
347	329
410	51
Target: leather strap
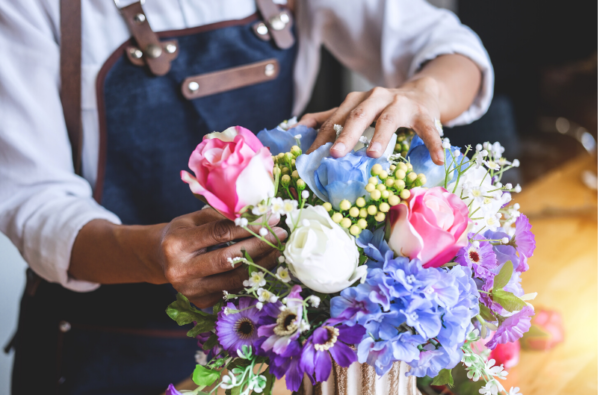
278	21
70	75
147	40
229	79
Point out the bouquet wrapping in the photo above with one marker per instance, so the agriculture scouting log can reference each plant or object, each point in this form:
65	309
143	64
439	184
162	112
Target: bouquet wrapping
391	264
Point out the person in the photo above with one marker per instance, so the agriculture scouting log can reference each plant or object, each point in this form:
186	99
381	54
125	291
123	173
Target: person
108	229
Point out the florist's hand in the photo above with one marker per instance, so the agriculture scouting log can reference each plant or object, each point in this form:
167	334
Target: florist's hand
415	105
203	275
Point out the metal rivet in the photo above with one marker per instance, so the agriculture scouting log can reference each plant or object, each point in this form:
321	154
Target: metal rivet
153	51
135	53
64	326
269	69
171	48
139	18
277	23
285	18
262	29
193	86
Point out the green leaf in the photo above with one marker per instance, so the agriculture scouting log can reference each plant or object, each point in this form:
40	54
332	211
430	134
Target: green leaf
182	312
212	341
444	377
504	276
486	313
218	306
205	325
270	383
507	300
234	390
204	377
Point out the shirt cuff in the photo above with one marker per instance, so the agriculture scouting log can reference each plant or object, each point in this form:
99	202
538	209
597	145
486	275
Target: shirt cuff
480	57
50	235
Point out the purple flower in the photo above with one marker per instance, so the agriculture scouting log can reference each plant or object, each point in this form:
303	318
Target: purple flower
288	364
328	342
171	390
503	252
238	329
525	242
480	259
512	328
283	327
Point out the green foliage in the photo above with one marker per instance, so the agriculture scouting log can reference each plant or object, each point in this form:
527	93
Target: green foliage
504	276
203	377
182	312
444	377
486	313
270	383
212	341
507	300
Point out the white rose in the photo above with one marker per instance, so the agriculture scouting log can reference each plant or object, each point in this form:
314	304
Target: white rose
320	253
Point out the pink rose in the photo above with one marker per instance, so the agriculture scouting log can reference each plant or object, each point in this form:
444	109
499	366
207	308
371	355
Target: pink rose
233	170
432	227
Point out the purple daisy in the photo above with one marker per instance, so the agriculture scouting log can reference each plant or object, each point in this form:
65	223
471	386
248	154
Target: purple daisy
328	342
235	330
512	328
478	256
282	325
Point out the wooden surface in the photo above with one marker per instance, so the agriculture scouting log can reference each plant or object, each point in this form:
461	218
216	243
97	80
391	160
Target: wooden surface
564	272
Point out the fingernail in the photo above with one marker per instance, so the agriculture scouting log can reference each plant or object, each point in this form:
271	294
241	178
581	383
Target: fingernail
280	232
439	156
375	148
274	220
339	147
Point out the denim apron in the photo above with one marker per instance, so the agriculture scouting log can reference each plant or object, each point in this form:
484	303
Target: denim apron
118	339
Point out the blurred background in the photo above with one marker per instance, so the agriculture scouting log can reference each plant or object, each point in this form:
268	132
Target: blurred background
545	114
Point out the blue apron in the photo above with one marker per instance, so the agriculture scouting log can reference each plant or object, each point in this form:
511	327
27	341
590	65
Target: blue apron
118	339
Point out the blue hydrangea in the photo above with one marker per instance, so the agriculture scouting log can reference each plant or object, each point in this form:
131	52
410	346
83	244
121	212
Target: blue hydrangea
420	316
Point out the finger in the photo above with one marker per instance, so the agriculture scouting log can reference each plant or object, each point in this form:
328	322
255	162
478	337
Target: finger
202	302
327	132
357	122
218	261
388	122
424	126
315	119
234	279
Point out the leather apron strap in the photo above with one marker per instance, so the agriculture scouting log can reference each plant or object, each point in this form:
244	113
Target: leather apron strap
70	75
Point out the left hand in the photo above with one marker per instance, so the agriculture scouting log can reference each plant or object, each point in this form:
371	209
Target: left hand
415	105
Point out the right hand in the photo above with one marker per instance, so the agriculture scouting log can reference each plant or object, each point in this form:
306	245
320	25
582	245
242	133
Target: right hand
203	275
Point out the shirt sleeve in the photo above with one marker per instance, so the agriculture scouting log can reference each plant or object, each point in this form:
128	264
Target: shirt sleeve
388	41
43	204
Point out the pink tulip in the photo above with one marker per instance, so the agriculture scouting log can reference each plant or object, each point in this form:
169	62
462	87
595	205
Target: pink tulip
233	170
432	227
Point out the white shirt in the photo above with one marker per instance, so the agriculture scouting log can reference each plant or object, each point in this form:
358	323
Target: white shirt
43	204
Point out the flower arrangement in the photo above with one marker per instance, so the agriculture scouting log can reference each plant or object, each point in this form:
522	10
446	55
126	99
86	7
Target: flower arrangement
388	259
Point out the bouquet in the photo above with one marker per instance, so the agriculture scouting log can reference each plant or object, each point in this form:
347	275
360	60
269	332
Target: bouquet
388	259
